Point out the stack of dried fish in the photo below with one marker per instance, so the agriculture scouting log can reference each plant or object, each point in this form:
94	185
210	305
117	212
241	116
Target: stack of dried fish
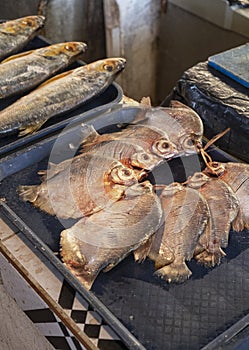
115	218
103	186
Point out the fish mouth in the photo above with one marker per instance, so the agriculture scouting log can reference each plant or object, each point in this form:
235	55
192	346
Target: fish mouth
40	21
121	64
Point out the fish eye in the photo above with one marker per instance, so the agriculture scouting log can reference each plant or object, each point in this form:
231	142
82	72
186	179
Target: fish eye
126	172
199	176
119	174
162	146
215	164
188	142
28	22
144	156
69	48
108	67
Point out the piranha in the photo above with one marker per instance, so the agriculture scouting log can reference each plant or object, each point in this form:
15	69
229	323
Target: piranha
86	185
186	215
59	94
103	239
24	71
151	139
224	209
183	125
236	175
15	34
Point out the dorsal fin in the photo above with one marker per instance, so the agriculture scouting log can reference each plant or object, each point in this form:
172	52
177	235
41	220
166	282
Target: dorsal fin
145	101
19	55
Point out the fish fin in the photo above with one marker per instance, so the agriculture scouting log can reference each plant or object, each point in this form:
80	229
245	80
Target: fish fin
92	139
141	253
50	172
28	193
177	272
238	223
56	77
32	194
145	101
19	55
30	129
210	259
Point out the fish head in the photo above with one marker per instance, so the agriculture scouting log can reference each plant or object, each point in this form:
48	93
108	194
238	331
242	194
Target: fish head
215	168
189	144
27	24
139	189
172	189
198	180
183	126
121	175
164	148
68	49
109	67
145	160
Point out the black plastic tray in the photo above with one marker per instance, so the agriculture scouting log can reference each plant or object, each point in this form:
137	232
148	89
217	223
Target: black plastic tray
113	94
144	311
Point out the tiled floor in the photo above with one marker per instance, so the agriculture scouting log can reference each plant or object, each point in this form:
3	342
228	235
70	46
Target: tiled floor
40	290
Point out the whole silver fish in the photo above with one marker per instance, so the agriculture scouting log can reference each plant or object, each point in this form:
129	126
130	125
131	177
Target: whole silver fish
15	34
103	239
22	72
59	94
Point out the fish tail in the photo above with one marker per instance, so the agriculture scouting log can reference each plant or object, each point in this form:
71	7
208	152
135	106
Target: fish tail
28	193
33	195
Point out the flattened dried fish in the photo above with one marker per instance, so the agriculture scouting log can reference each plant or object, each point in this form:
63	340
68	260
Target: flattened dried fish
182	125
103	239
151	139
224	208
88	184
59	94
236	175
186	216
25	71
15	34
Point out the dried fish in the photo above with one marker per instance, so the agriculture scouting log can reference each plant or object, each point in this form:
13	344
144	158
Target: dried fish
15	34
236	175
59	94
86	185
22	72
186	216
182	125
92	245
151	139
224	209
